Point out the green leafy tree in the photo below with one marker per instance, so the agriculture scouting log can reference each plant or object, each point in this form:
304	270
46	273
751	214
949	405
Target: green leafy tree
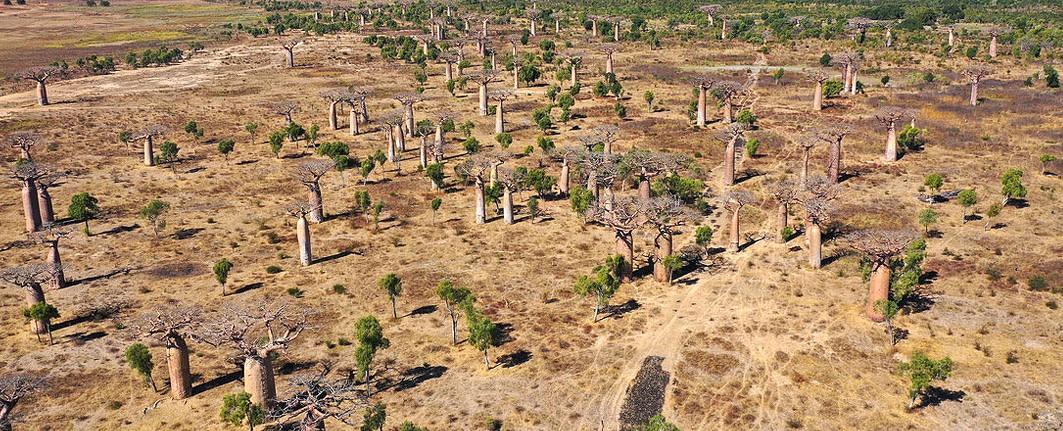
276	142
648	96
1051	76
538	180
378	208
832	88
1011	185
252	129
226	147
364	203
581	199
1045	160
546	144
466	128
221	273
370	339
934	182
367	168
452	298
529	73
775	77
154	212
911	138
435	204
672	263
967	198
533	208
393	286
703	235
752	145
238	409
375	417
621	111
471	145
139	359
168	154
410	426
657	423
434	172
888	308
825	60
928	217
603	284
921	372
504	139
990	214
483	334
83	207
42	313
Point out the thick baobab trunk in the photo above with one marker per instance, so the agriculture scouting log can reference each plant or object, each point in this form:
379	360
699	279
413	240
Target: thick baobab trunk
782	220
42	93
992	48
361	20
852	85
575	79
729	162
516	76
44	204
354	126
974	93
608	197
483	100
364	111
616	32
817	97
449	70
644	187
846	77
302	233
891	143
259	381
626	248
422	152
317	215
952	38
592	184
608	63
834	160
400	140
177	363
439	142
481	211
149	152
594	28
879	290
815	247
563	179
702	96
410	123
733	244
533	28
727	117
723	30
58	278
35	295
485	28
507	205
291	58
889	38
664	249
31	206
500	125
332	123
493	174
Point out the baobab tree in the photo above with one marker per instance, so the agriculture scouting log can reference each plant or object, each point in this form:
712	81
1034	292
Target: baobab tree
807	142
730	137
173	325
499	157
889	116
334	97
483	78
511	180
482	43
605	135
617	21
733	202
880	246
355	99
818	213
449	58
703	84
646	165
609	49
993	32
408	100
594	24
975	74
13	389
726	91
575	59
289	46
299	210
442	118
833	134
29	278
499	96
817	77
45	182
475	167
40	74
148	134
596	164
565	155
285	109
952	35
24	141
666	213
624	216
723	27
847	61
50	235
785	193
517	63
28	174
710	11
309	175
534	16
317	400
256	334
860	25
889	34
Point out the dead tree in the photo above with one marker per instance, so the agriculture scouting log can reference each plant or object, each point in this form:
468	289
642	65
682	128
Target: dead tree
703	83
994	31
847	61
711	10
624	216
309	174
29	278
499	96
609	49
172	325
605	135
975	74
647	165
666	213
24	141
299	210
889	116
565	155
817	77
13	389
482	78
50	235
289	46
408	100
861	25
785	193
148	134
256	334
334	97
474	168
833	134
317	400
285	109
575	59
40	75
730	137
27	174
726	91
880	246
733	202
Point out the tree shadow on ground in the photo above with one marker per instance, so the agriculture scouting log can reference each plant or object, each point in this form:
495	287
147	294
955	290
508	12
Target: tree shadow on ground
245	288
748	175
335	256
619	311
413	377
935	396
513	359
427	309
97	277
187	233
216	382
1018	203
503	334
120	229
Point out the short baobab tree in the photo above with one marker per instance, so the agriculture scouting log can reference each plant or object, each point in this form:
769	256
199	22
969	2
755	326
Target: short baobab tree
703	83
23	142
448	58
50	235
173	325
256	334
148	135
975	74
575	59
889	116
624	215
785	193
482	78
317	400
300	210
726	91
730	137
407	100
28	174
818	213
334	97
646	165
285	109
880	246
817	77
833	134
289	47
861	25
711	10
29	278
994	32
666	213
13	389
734	201
847	61
609	49
475	168
45	183
309	174
499	96
40	75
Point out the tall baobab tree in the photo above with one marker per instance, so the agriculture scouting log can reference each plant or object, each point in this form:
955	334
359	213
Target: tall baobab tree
334	97
833	134
355	99
300	210
730	137
703	83
817	77
361	95
309	175
499	96
482	78
594	24
726	91
666	213
807	142
710	11
426	41
13	389
173	325
499	158
818	213
847	61
975	74
624	216
785	193
255	334
889	116
482	43
407	100
880	246
645	165
566	155
449	58
617	21
148	134
860	25
289	46
952	36
285	109
49	179
475	167
442	118
733	202
24	141
609	49
511	180
29	278
317	401
889	34
394	125
575	59
534	16
994	31
40	75
723	27
50	235
28	174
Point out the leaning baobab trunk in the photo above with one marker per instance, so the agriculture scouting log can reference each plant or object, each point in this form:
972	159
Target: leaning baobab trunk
177	364
259	380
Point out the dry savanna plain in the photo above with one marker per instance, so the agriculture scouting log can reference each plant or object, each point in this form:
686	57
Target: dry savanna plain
756	338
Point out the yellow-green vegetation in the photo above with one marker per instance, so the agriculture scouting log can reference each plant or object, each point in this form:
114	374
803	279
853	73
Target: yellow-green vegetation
100	39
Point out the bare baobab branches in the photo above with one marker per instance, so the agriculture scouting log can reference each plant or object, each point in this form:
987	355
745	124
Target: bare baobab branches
784	192
861	25
975	74
483	78
666	213
703	84
309	174
833	134
499	96
534	16
317	400
172	325
13	388
148	134
609	49
565	155
438	147
646	165
880	245
848	62
733	202
889	116
300	210
623	215
475	167
711	10
575	59
334	97
40	74
604	135
285	109
289	46
726	92
45	182
993	32
29	278
817	77
730	137
408	99
23	141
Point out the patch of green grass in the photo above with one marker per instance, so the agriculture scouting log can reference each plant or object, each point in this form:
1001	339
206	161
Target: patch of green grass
118	38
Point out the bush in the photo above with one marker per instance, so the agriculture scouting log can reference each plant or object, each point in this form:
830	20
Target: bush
832	88
751	146
504	139
273	269
1051	76
746	117
471	145
1037	283
295	292
339	289
825	60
